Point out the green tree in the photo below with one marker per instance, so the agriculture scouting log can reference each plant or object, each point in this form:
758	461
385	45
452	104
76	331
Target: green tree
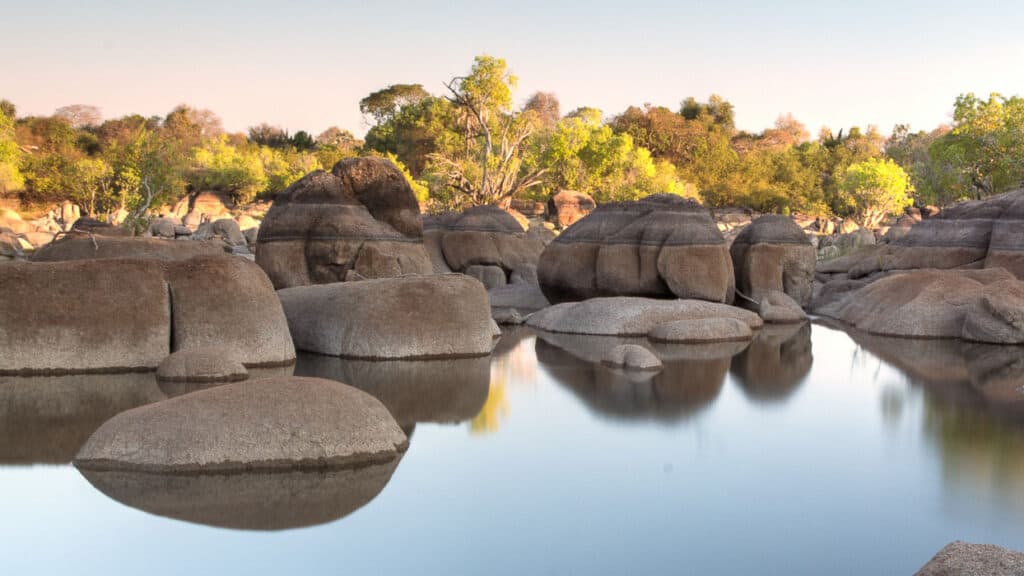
874	189
11	179
220	166
90	184
382	105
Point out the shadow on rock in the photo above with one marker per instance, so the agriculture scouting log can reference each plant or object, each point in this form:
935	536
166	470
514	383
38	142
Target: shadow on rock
690	381
446	391
776	362
46	419
249	500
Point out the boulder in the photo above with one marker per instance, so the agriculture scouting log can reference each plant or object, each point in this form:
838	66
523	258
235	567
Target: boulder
778	308
39	239
101	247
976	305
246	222
212	204
225	228
361	216
523	298
773	254
627	316
659	247
410	317
268	424
16	225
633	357
192	221
489	276
701	330
480	236
201	365
528	208
964	559
69	214
568	207
9	245
163	227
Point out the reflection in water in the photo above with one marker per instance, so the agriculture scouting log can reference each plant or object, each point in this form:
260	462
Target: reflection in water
973	407
46	419
512	360
446	391
691	378
776	362
248	501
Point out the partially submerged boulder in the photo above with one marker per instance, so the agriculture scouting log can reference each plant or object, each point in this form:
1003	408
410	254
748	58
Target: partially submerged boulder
778	308
268	424
633	357
774	254
362	216
662	246
626	316
964	559
977	305
201	365
410	317
702	330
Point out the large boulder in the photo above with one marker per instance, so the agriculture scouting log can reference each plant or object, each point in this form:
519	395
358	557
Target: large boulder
702	330
102	315
976	305
267	424
568	207
101	247
964	559
773	253
481	236
360	217
662	246
213	204
626	316
201	365
411	317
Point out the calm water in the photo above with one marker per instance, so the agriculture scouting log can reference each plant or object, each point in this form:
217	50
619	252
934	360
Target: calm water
808	452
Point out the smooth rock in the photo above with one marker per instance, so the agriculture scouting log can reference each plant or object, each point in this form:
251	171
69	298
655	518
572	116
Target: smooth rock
201	366
101	247
778	308
702	330
568	207
627	316
773	254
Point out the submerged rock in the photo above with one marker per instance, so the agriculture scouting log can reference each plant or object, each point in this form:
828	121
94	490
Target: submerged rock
625	316
267	424
410	317
362	217
964	559
204	365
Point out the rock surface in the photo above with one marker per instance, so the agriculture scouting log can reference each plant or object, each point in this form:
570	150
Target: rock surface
778	308
272	423
659	247
631	356
410	317
201	366
101	247
627	316
774	254
702	330
362	216
568	207
964	559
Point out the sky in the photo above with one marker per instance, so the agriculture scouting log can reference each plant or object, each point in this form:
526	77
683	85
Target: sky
305	64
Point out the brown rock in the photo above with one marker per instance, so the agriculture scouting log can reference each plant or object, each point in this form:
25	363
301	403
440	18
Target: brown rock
773	254
568	207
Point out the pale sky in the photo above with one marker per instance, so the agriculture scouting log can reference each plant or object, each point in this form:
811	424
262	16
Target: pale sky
304	65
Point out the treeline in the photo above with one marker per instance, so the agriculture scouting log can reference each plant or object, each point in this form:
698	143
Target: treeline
473	145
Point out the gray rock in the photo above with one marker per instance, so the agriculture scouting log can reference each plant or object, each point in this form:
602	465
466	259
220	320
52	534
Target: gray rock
632	357
702	330
963	559
778	308
163	228
102	247
490	276
204	365
409	317
773	254
628	316
273	423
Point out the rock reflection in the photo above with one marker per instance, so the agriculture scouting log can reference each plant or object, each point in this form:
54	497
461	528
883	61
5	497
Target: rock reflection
973	408
46	419
690	381
775	363
445	391
248	501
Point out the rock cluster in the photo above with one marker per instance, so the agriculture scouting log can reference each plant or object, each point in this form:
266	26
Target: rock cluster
774	254
360	220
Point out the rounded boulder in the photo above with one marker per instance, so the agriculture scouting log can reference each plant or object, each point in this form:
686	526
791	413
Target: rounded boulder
701	330
201	366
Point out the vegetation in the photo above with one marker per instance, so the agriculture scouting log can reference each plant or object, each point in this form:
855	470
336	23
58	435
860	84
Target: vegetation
473	145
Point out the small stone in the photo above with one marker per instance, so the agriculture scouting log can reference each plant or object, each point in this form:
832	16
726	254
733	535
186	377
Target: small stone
778	308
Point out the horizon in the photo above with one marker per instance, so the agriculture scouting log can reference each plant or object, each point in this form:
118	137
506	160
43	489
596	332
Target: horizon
280	65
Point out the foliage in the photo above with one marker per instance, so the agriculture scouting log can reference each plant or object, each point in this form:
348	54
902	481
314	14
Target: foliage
11	179
382	105
874	189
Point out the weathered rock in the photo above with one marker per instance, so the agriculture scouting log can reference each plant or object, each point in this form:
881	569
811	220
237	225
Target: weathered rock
633	357
201	366
16	225
964	559
101	247
701	330
163	227
843	244
660	247
773	254
626	316
568	207
524	298
273	423
980	305
489	276
9	245
69	214
481	235
778	308
226	229
410	317
361	216
528	208
192	221
212	204
39	239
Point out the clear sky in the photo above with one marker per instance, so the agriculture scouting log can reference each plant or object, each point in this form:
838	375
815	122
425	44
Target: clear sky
305	65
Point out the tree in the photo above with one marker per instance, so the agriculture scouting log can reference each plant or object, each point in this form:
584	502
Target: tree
266	135
7	108
716	113
11	179
934	180
190	127
874	189
79	115
382	105
220	166
302	140
547	108
495	136
90	181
